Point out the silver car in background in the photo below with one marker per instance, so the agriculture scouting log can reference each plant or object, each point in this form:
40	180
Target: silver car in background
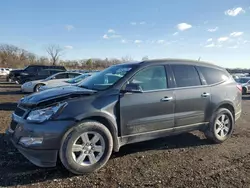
59	78
61	83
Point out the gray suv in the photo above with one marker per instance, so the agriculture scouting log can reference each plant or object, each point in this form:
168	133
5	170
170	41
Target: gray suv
83	124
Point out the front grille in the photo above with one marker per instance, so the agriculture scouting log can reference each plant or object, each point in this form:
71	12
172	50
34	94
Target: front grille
19	112
13	125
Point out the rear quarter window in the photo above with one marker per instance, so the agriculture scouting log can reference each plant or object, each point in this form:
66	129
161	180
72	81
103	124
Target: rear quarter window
213	75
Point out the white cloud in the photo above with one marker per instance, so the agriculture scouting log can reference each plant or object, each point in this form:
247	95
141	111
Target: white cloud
68	47
69	27
236	34
105	36
213	29
245	41
137	41
222	39
124	41
133	23
111	31
115	36
210	45
143	22
176	33
183	26
234	11
209	40
160	41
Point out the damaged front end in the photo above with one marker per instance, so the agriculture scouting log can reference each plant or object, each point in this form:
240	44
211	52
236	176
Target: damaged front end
46	105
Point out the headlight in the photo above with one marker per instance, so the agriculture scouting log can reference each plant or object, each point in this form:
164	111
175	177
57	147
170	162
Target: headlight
44	114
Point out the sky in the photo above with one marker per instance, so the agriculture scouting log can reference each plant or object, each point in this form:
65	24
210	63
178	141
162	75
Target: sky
217	31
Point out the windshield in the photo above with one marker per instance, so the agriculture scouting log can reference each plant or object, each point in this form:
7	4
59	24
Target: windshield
106	78
78	78
242	80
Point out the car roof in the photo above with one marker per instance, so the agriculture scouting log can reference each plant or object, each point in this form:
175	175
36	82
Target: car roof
173	61
182	61
55	70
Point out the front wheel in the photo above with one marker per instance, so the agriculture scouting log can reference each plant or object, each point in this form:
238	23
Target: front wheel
37	87
244	91
86	148
221	126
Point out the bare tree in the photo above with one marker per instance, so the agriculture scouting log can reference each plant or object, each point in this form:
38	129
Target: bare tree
55	52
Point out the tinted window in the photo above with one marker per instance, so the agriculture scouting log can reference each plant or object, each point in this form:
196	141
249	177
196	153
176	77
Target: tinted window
61	76
31	69
43	72
151	78
73	75
186	75
213	75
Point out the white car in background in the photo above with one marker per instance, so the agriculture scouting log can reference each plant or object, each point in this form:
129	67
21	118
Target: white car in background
4	71
245	84
61	83
33	86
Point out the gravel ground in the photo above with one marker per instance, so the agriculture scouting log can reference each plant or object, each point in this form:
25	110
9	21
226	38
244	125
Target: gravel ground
186	160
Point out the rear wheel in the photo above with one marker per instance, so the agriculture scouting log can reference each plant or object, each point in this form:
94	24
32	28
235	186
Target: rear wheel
221	126
86	148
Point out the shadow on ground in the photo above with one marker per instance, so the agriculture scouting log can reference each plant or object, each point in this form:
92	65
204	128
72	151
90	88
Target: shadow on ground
16	170
8	106
11	93
9	86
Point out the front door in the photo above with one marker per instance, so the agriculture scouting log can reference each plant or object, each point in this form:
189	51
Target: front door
153	108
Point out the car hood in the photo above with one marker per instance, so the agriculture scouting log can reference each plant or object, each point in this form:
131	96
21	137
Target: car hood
54	95
17	71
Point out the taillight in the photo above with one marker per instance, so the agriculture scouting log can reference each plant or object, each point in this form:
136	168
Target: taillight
239	87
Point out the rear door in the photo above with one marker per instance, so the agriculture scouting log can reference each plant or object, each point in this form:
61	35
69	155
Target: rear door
151	110
192	96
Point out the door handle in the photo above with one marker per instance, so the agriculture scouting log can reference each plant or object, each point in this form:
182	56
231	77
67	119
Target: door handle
205	94
167	99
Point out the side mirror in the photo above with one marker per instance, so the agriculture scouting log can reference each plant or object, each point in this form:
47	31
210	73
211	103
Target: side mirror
133	88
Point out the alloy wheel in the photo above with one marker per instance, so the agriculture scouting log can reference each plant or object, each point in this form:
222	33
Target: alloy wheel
222	126
88	148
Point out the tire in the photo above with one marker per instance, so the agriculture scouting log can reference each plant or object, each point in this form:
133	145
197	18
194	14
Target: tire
72	161
244	91
36	88
215	131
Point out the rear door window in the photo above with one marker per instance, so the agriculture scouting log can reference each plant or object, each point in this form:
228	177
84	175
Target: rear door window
213	75
186	75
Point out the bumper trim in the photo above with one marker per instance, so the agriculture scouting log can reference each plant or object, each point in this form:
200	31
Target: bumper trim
41	158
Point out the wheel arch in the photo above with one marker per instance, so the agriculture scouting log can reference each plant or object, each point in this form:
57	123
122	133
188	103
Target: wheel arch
111	127
36	84
228	105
